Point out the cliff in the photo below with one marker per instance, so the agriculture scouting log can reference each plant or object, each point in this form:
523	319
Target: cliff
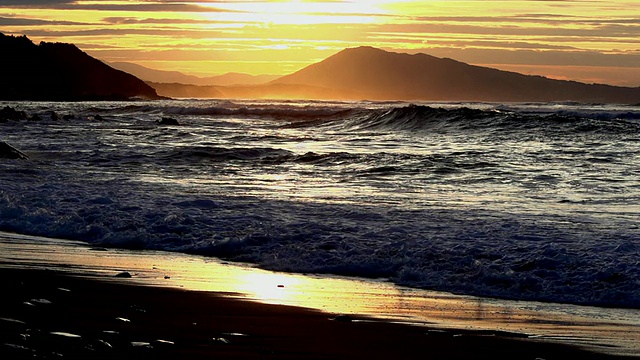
62	72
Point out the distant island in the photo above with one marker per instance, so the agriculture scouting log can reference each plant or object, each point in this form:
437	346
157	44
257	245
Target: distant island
62	72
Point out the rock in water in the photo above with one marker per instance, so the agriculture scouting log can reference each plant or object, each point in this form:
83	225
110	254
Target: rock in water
124	274
168	121
9	113
9	152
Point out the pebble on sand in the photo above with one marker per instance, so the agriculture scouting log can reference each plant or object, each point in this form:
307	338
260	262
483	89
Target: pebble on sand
221	340
159	343
65	335
141	344
40	302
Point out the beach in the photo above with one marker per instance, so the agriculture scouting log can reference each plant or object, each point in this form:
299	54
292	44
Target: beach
55	306
319	179
48	314
447	230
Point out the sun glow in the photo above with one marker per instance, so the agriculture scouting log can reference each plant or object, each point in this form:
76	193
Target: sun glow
279	37
297	12
269	287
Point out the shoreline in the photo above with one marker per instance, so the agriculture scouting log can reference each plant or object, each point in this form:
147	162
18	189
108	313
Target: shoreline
408	318
49	313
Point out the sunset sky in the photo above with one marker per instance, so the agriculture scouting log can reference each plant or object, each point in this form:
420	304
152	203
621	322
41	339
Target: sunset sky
585	40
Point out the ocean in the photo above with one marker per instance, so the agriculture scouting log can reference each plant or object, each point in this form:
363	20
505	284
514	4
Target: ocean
537	202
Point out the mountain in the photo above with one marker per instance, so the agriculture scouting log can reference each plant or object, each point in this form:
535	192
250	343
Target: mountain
62	72
161	76
382	75
263	91
177	90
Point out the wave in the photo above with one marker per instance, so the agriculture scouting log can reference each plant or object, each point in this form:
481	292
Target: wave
285	113
226	109
361	165
498	255
272	156
558	119
221	154
425	118
324	189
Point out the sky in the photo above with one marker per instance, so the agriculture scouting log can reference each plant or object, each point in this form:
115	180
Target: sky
585	40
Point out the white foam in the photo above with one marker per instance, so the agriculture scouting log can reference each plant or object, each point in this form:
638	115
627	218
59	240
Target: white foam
538	220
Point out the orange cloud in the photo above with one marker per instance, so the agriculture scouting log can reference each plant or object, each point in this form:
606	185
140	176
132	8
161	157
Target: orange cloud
213	37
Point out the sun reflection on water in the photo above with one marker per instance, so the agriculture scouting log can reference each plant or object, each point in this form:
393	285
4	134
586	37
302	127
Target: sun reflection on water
334	295
269	288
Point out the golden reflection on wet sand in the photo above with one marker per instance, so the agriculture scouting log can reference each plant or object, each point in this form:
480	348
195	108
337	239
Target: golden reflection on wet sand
589	326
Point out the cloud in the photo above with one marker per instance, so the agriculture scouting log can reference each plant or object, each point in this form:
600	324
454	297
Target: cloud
29	3
509	45
111	32
601	31
152	6
574	57
130	20
15	21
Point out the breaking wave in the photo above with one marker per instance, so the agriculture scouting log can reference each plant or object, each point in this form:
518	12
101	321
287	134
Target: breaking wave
521	201
426	118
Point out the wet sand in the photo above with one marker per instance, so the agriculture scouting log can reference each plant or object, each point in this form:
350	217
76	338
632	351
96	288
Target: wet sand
48	314
61	298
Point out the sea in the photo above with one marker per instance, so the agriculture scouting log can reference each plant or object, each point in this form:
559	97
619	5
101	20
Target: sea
521	201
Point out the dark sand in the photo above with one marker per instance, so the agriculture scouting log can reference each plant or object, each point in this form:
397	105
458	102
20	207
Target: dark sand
38	305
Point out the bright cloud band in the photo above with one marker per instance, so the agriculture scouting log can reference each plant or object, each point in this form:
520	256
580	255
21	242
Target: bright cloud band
591	41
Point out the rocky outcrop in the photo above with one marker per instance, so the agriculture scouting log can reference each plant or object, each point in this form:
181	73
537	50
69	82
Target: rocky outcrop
62	72
10	114
9	152
168	121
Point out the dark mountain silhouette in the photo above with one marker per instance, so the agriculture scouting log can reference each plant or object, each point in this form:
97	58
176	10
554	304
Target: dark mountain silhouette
178	90
170	77
380	75
263	91
62	72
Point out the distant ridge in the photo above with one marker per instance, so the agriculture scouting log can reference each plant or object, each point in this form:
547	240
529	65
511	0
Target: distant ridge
62	72
261	91
380	75
169	77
